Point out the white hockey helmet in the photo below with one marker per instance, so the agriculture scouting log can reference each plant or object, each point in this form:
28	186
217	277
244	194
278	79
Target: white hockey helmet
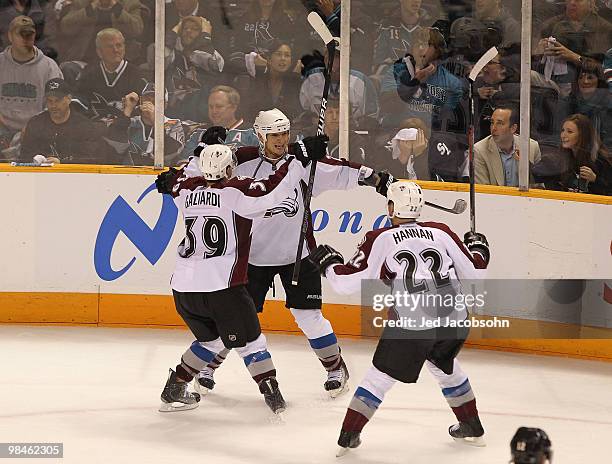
214	161
407	198
270	122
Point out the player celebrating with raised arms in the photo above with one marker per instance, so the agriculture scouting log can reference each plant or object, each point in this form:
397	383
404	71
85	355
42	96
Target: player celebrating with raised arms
418	258
276	235
275	240
211	268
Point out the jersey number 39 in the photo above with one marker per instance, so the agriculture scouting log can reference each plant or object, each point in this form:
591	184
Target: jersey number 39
214	237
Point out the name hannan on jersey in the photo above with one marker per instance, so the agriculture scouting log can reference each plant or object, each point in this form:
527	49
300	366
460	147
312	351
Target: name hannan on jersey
403	234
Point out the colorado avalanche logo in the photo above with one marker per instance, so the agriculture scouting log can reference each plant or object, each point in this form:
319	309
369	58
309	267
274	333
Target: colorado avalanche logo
289	207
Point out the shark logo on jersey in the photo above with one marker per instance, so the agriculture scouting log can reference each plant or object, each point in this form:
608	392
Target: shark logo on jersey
104	110
289	207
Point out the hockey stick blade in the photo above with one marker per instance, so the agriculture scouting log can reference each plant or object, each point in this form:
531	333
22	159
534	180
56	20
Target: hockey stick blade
482	62
459	207
320	27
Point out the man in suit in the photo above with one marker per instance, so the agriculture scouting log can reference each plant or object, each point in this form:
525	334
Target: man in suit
496	156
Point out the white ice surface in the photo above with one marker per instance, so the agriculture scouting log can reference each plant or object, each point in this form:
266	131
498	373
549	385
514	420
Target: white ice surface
97	391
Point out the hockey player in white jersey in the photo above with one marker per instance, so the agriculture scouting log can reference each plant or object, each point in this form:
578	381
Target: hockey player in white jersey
276	235
417	258
209	280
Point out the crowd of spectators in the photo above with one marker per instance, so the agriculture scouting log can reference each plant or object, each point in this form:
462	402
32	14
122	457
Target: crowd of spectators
76	82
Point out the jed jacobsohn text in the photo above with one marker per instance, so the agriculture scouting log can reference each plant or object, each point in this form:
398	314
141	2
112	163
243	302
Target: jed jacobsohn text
429	323
412	301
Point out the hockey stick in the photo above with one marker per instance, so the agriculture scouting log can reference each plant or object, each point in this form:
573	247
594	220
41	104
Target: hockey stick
319	26
480	64
459	207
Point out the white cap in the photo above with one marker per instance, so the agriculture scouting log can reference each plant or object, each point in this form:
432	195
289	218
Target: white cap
271	121
407	198
214	161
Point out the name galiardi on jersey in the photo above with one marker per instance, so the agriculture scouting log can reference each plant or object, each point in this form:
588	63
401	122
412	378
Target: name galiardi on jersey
204	198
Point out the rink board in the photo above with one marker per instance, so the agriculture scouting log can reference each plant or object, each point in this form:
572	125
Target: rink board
98	247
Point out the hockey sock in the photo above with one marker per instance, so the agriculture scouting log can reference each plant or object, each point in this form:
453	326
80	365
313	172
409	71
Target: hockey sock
198	356
219	358
257	359
457	390
320	335
367	399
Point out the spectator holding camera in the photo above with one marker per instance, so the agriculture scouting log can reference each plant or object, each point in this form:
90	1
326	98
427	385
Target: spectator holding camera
496	157
141	133
590	96
569	38
589	168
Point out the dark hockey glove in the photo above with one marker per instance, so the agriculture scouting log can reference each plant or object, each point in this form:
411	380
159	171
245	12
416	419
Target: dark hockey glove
324	256
310	148
165	180
385	180
477	243
214	134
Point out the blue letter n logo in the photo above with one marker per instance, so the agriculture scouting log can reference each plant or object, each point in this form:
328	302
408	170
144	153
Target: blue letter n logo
150	242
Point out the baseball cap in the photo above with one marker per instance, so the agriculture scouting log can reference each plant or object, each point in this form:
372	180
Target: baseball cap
22	24
57	87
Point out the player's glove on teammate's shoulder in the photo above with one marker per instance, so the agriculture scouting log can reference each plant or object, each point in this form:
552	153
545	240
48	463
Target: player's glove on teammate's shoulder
324	256
211	136
384	182
381	181
309	149
477	243
165	180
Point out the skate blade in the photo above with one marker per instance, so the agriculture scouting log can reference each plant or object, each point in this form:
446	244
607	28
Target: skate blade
471	441
277	417
176	407
338	391
342	452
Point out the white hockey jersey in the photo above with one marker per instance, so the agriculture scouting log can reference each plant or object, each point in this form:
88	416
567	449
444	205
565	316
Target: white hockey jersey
215	251
420	258
276	235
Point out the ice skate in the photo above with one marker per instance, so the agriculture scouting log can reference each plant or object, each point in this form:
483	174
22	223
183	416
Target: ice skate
337	381
272	395
470	433
175	396
204	381
347	441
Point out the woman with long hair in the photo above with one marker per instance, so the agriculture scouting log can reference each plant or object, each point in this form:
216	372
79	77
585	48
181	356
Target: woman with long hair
590	167
279	85
590	96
